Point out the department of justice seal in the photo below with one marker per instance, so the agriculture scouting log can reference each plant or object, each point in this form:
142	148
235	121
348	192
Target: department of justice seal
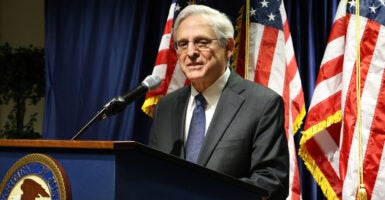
35	176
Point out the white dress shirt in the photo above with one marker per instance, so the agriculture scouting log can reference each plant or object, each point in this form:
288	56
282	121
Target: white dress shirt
212	95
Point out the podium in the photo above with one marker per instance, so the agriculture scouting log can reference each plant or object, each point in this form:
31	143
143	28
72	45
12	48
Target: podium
110	170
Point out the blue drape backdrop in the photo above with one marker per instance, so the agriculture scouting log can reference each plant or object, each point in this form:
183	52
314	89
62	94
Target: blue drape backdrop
96	50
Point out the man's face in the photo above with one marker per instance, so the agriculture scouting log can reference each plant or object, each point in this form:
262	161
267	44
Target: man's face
201	58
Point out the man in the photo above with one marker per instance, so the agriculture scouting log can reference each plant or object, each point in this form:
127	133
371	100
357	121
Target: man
242	123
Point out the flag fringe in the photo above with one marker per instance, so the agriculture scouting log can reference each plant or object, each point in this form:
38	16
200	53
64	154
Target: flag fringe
313	130
298	121
238	29
149	105
310	164
319	177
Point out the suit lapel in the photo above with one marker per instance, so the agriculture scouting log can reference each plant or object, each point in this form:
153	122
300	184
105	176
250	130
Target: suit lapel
228	105
179	117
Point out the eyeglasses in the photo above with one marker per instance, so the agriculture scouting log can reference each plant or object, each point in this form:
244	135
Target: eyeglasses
200	43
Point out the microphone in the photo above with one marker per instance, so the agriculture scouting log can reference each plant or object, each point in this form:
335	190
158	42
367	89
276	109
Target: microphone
117	104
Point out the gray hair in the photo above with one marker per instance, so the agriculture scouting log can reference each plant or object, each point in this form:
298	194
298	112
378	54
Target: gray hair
222	25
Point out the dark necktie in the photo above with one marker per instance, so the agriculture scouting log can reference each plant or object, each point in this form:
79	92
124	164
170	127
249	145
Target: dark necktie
196	132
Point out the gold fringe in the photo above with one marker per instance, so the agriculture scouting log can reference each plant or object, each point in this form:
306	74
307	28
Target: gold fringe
311	165
310	132
149	105
298	121
317	174
238	28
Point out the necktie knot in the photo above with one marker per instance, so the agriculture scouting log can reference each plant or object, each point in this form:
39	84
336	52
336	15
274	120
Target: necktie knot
200	100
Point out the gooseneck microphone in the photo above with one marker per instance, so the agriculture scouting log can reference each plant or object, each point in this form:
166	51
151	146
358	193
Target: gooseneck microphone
118	103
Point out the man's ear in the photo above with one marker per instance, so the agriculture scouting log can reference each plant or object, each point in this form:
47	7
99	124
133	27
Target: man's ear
230	47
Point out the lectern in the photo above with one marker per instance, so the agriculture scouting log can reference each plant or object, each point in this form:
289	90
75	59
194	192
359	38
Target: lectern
110	170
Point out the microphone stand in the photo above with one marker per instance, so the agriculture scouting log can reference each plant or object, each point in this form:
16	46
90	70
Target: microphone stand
97	117
116	105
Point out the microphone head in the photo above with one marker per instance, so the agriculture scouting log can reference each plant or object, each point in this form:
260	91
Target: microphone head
152	82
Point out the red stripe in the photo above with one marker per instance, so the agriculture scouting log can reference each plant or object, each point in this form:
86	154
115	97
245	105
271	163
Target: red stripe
296	188
168	27
323	109
339	29
266	55
330	69
298	102
286	30
162	57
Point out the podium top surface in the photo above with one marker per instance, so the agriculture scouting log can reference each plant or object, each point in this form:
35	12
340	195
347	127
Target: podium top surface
70	144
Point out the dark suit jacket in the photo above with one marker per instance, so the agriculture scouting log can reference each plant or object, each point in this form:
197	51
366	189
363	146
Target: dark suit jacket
246	138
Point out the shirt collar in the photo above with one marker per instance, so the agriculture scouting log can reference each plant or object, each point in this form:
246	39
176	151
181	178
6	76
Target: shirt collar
213	92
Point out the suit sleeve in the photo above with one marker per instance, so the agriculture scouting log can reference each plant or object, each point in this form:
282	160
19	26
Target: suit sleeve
270	156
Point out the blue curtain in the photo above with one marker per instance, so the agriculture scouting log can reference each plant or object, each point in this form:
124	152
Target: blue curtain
310	24
99	49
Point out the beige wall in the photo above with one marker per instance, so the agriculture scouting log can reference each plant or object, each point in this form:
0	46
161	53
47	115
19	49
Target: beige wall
22	24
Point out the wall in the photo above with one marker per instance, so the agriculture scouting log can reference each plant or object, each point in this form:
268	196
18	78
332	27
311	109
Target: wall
22	24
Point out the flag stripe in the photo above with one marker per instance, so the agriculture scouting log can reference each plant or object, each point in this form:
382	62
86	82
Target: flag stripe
266	55
334	187
371	162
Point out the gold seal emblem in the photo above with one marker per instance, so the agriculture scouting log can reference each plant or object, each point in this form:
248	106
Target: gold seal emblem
35	176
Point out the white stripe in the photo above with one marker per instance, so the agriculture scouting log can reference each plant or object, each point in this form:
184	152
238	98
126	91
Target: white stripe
171	11
334	49
160	71
278	66
295	87
341	11
165	42
289	50
329	148
283	12
177	80
256	31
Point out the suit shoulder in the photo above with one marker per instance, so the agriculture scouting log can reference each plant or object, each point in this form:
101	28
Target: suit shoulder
260	90
175	94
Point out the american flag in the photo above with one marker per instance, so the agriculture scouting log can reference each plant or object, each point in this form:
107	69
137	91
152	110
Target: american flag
166	65
272	63
334	137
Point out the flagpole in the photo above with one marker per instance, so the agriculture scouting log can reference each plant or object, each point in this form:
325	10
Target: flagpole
361	194
247	45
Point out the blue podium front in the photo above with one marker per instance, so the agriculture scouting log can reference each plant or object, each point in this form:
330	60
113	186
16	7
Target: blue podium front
126	170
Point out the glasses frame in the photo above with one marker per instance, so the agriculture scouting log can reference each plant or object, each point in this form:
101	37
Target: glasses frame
201	44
